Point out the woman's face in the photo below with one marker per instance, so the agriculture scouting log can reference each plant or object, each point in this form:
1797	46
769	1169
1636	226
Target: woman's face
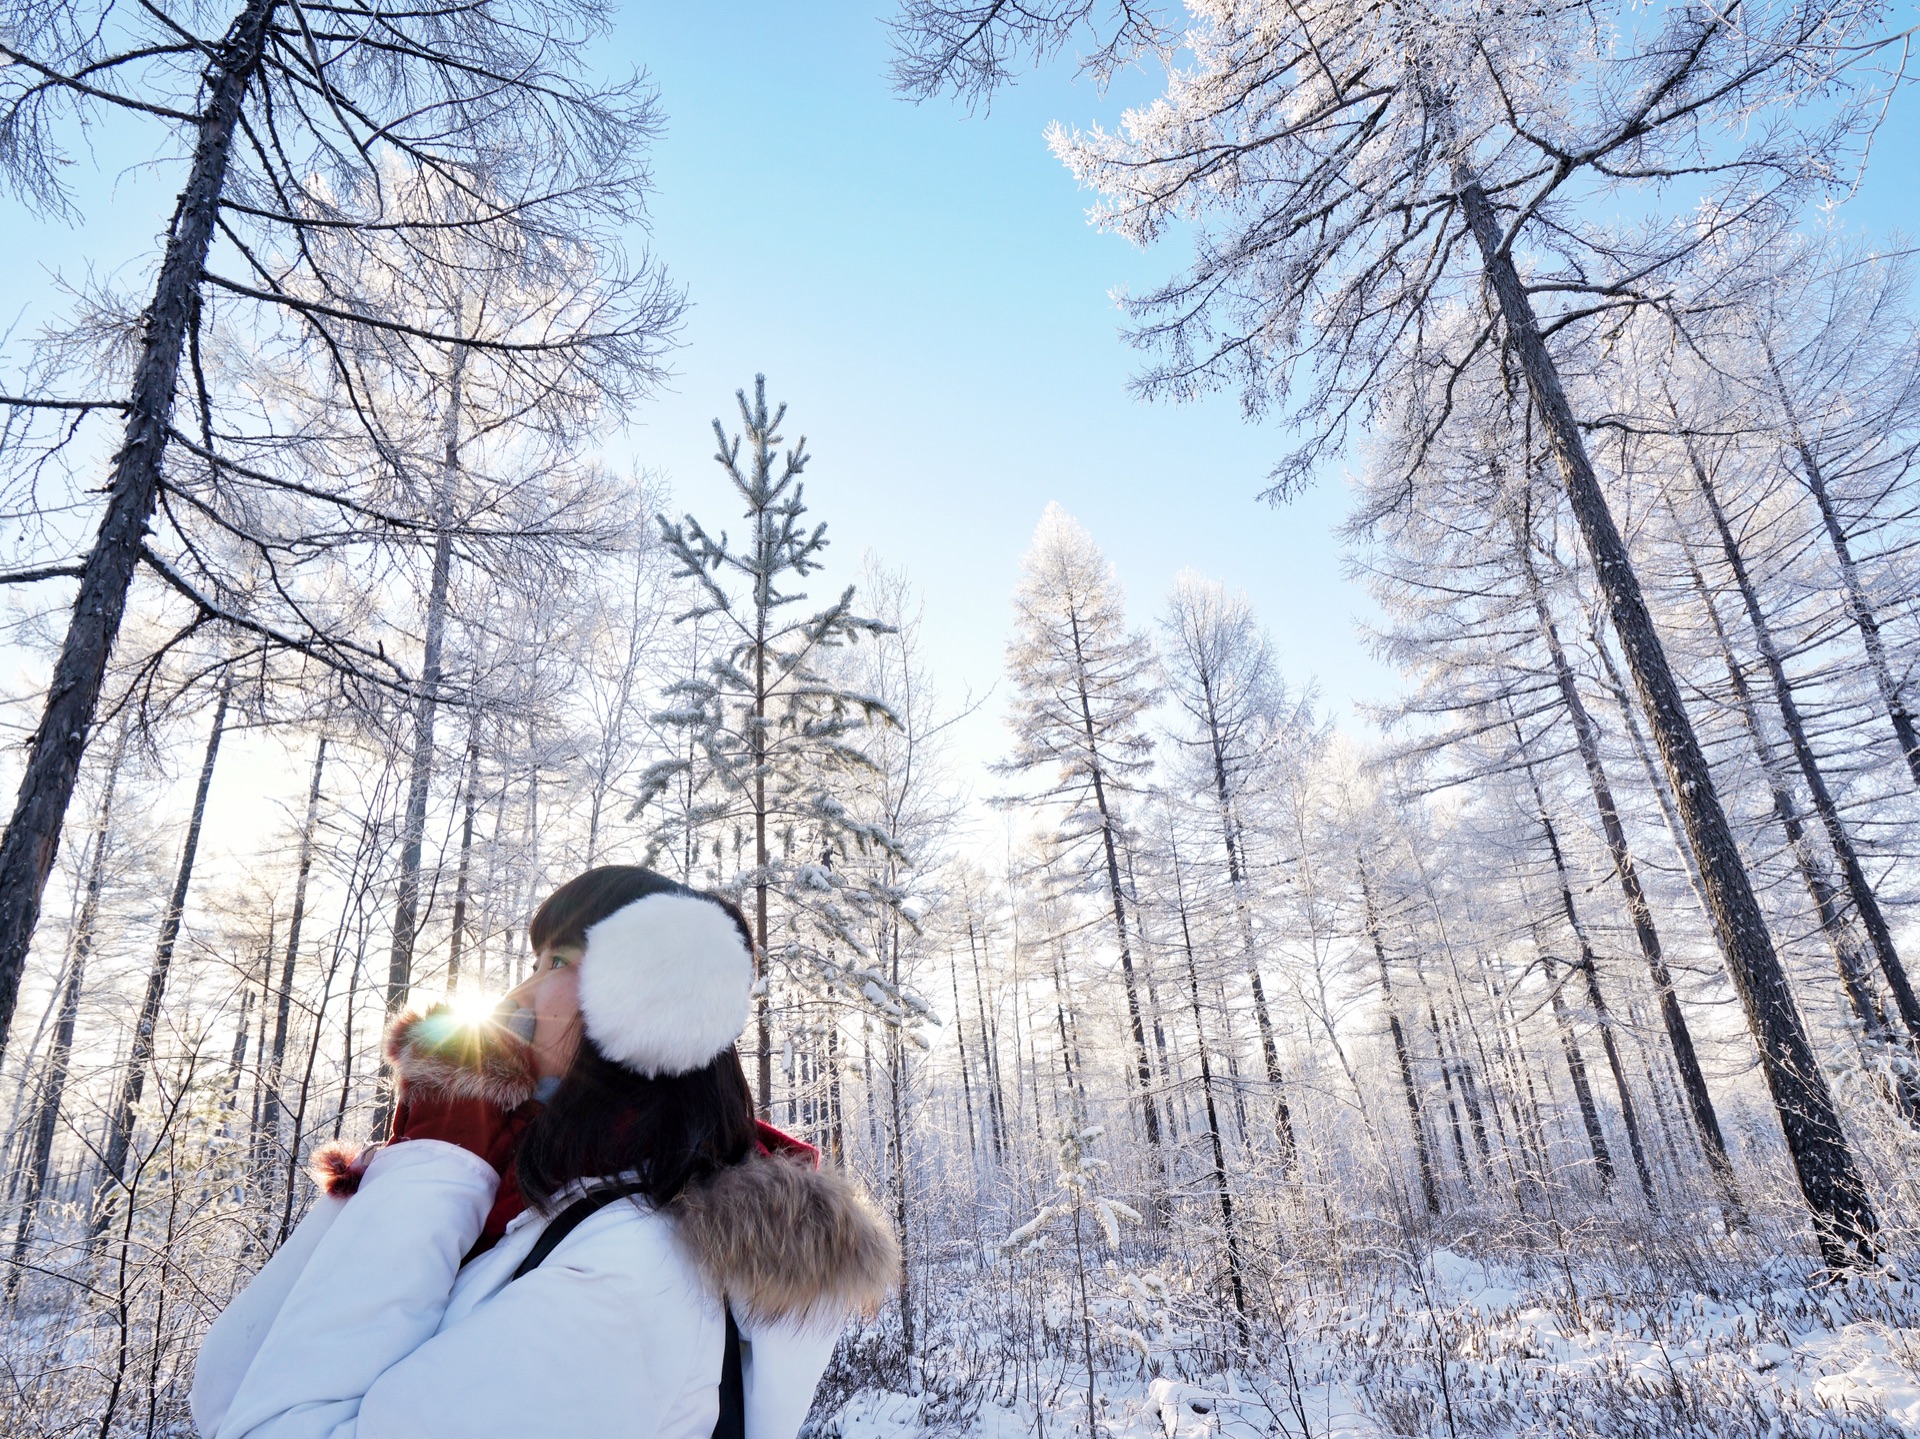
552	992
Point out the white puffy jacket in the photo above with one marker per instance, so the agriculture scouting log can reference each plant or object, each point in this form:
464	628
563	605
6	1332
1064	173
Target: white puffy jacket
365	1326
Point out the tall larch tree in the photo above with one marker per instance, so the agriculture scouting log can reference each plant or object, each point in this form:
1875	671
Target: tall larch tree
1083	683
1235	710
291	136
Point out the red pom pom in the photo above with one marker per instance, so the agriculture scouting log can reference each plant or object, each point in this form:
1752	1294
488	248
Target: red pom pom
338	1167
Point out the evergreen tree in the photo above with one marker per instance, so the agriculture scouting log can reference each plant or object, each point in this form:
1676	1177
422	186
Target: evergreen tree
772	741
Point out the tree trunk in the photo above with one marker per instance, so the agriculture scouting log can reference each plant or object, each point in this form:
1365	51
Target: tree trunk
1086	1311
1069	1041
242	1027
1243	915
457	942
897	1064
1629	1114
1865	903
346	1043
1230	1046
1679	1036
1589	969
1850	960
291	1178
1507	1074
271	1106
896	1094
254	1158
1449	1063
996	1100
53	761
1168	1079
1582	1086
966	1079
1462	1017
406	909
46	1118
1527	1116
1429	1187
836	1118
356	915
1143	1066
1656	781
1446	1087
1858	609
1668	1146
1223	1192
133	1081
1469	1088
529	854
1843	1217
763	1011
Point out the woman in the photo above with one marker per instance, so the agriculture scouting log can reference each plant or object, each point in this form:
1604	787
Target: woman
572	1212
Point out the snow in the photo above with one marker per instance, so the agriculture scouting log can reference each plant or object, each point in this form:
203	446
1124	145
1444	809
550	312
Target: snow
1184	1409
878	1414
1459	1345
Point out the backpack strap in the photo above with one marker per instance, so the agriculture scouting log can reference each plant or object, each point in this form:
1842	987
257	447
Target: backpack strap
568	1220
732	1423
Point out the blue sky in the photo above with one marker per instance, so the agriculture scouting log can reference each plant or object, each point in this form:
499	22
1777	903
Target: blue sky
921	285
922	288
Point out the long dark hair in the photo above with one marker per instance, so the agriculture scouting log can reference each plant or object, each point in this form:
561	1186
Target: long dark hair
606	1119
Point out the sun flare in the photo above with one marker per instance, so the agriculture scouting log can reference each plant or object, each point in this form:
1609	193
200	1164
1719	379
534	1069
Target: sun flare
473	1007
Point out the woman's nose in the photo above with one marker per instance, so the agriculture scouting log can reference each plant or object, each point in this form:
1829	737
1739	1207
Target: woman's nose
518	996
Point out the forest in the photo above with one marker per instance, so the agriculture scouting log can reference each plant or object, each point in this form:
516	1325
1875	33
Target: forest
1538	1057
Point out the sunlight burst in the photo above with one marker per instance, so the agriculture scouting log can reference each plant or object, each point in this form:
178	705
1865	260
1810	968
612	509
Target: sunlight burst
472	1007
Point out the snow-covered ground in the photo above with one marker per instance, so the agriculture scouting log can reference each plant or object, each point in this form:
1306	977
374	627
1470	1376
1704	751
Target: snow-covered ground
1459	1346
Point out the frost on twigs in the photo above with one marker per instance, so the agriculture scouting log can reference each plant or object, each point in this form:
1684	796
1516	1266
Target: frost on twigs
1077	1199
1079	1192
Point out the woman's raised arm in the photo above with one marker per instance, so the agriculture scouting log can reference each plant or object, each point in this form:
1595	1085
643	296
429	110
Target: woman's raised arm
372	1292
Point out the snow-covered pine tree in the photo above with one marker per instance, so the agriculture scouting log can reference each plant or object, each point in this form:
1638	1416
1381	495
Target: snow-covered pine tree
772	742
1083	683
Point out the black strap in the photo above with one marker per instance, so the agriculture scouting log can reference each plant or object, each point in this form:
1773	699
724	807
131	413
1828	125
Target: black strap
568	1220
732	1423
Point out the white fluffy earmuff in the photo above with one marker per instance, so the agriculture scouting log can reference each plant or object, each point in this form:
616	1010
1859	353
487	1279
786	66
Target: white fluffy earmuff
665	983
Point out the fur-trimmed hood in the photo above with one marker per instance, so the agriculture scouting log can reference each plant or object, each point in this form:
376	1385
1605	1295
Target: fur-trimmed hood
785	1241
